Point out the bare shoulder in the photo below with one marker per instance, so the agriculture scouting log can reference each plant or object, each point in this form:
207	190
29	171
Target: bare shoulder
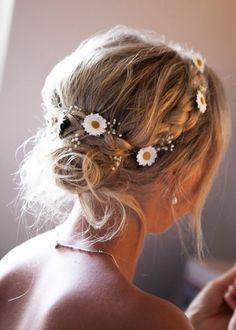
20	272
22	266
79	293
23	259
11	263
133	309
161	314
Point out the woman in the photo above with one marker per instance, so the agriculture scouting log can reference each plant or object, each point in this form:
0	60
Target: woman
135	132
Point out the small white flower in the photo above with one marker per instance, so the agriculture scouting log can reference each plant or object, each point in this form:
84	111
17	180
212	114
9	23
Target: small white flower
199	61
146	156
201	102
94	124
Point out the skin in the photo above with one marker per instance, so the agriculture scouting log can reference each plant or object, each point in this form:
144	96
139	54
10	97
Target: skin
215	306
78	290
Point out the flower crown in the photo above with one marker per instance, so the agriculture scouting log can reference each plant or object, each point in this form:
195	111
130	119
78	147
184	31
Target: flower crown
94	124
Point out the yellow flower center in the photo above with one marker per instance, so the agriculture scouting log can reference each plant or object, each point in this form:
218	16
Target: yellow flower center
199	62
95	124
202	100
146	155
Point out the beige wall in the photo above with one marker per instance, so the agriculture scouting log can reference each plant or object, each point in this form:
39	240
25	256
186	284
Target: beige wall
44	31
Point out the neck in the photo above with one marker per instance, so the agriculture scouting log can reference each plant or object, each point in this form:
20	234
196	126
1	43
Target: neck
126	249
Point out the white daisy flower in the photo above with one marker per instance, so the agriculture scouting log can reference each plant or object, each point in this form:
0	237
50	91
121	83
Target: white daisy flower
201	102
146	156
94	124
199	61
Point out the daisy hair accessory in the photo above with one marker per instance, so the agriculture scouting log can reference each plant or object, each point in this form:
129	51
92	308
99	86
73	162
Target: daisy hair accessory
94	124
148	155
199	61
201	101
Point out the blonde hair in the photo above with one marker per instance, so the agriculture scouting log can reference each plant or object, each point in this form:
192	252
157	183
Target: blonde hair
150	86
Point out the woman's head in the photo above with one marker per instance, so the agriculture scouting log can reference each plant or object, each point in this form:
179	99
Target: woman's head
150	87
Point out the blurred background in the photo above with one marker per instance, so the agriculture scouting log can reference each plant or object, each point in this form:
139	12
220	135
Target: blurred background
35	35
